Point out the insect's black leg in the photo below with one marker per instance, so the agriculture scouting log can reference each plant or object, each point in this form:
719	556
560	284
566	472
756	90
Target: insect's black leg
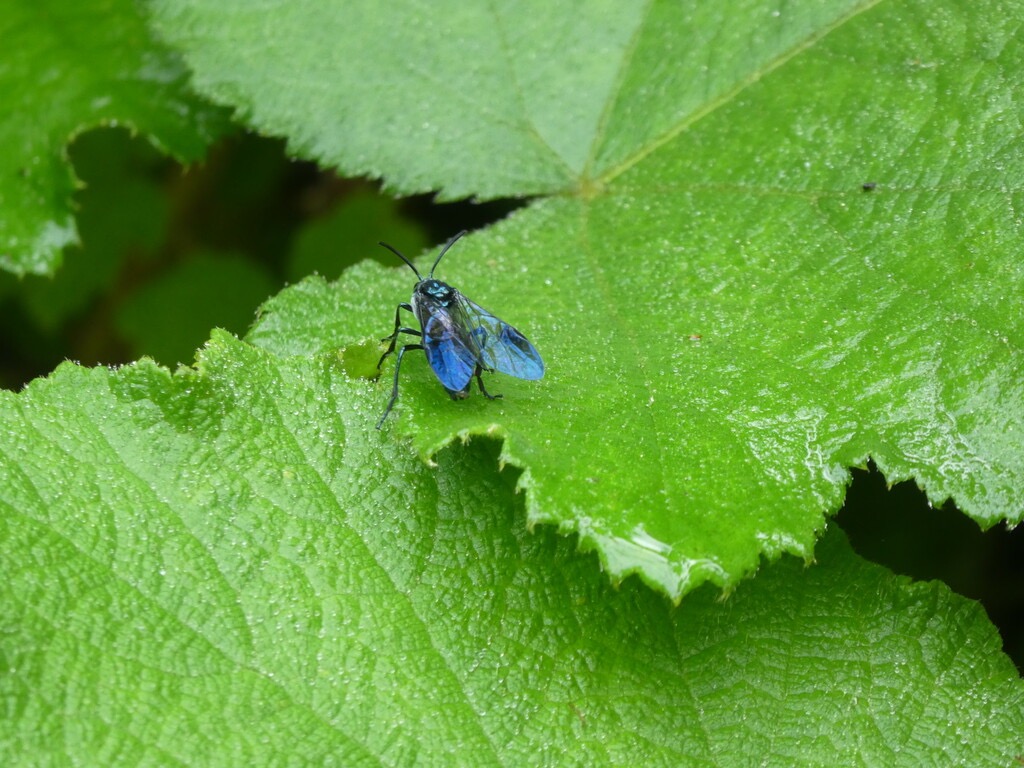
390	349
398	319
398	329
394	389
480	383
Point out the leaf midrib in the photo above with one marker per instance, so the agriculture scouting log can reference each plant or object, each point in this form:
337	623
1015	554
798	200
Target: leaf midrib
714	104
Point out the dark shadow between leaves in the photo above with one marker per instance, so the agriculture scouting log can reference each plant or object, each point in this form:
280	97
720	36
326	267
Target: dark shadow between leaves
898	528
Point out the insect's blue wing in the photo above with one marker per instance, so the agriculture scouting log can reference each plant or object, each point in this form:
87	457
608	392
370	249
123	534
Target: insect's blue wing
499	346
450	356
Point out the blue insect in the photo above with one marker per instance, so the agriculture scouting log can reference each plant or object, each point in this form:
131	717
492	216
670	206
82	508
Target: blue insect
460	338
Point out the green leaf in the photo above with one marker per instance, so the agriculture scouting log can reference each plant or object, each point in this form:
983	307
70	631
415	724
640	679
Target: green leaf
70	67
730	318
224	566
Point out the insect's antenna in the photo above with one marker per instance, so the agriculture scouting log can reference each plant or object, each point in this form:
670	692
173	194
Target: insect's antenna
411	265
444	250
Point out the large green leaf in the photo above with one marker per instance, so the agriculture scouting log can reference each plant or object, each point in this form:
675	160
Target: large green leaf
68	67
225	567
778	243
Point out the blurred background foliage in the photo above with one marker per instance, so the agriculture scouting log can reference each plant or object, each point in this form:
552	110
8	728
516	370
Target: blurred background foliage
167	253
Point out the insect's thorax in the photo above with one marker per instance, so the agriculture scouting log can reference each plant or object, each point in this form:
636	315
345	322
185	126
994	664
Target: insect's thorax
432	293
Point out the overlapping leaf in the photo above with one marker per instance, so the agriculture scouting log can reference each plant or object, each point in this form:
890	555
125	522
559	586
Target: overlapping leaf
68	67
780	242
223	566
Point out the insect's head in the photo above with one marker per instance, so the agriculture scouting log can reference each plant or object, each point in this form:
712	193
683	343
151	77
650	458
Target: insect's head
412	266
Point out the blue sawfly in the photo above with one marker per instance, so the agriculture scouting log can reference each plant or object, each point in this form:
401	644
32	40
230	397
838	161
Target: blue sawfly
461	339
